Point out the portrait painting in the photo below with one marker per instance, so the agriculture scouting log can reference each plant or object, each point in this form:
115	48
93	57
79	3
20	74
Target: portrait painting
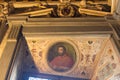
61	56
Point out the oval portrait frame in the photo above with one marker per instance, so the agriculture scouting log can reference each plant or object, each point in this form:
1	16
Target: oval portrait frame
51	70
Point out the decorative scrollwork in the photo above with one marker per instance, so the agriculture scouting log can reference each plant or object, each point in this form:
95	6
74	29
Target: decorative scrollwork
65	10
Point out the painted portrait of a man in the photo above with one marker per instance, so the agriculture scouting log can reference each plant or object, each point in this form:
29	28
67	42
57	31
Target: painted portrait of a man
62	61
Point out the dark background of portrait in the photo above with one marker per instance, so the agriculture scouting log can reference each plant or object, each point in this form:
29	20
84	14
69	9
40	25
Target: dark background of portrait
52	52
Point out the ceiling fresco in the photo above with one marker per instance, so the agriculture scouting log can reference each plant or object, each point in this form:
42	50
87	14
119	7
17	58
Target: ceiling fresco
94	57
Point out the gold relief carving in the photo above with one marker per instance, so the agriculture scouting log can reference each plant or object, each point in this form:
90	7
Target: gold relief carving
65	10
3	10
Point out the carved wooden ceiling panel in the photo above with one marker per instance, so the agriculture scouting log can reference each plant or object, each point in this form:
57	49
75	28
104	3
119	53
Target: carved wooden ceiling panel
94	56
57	8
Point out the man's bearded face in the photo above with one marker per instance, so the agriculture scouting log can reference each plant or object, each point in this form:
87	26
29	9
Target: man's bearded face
60	51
